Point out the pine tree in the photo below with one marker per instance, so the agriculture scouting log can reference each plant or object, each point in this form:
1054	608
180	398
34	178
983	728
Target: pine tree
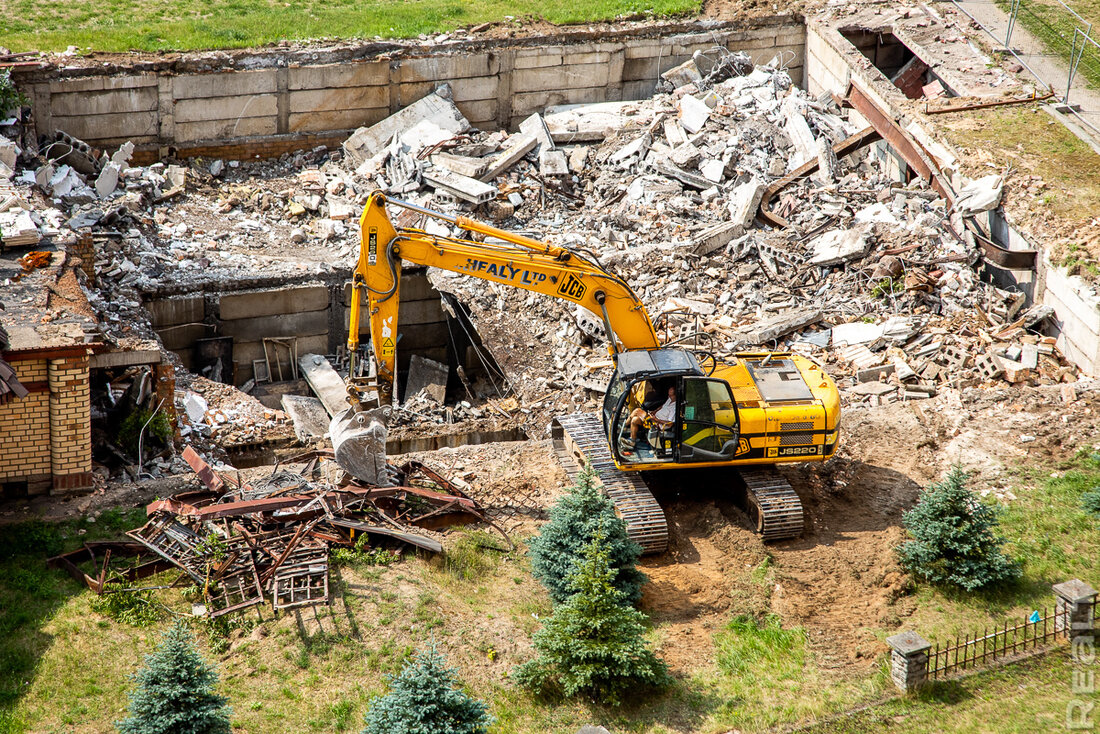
175	691
593	645
953	538
425	699
573	522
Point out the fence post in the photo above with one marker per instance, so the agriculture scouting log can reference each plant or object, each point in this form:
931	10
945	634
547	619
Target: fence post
908	660
1074	607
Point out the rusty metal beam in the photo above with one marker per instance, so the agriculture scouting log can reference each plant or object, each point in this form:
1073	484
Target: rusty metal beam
849	145
900	141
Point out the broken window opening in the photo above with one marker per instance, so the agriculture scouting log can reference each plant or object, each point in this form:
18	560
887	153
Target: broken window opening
904	68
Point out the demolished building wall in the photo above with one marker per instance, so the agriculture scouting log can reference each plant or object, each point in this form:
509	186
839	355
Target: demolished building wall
278	101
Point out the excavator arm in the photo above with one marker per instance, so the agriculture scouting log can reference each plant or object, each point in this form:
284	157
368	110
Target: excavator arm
505	258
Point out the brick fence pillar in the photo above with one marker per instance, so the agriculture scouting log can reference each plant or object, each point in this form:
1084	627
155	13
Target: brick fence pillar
908	660
70	424
84	250
1074	605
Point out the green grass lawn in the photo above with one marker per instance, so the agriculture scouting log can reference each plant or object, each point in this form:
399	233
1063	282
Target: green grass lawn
1052	24
147	25
64	664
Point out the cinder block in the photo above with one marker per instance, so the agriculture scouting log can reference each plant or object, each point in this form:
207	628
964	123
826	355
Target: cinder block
222	129
304	122
445	68
560	78
95	128
346	98
225	108
105	102
309	323
538	58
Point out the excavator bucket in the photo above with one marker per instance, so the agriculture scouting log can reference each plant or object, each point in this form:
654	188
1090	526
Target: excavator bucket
359	441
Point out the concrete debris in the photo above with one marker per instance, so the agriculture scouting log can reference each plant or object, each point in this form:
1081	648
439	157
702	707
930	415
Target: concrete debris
438	108
839	246
427	376
693	113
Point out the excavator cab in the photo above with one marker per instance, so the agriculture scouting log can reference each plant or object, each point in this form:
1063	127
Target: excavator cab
704	426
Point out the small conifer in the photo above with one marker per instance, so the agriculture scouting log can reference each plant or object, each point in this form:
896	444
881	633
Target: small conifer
175	691
573	522
593	645
424	698
953	538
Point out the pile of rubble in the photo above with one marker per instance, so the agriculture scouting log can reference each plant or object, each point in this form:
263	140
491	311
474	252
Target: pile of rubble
243	544
215	414
875	278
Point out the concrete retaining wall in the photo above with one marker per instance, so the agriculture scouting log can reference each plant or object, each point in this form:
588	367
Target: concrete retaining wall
317	314
200	102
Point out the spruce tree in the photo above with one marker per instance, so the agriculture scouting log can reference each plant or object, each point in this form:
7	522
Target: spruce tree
953	538
573	522
593	645
425	699
175	691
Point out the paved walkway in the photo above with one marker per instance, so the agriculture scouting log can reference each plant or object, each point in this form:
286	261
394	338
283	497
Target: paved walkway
1050	68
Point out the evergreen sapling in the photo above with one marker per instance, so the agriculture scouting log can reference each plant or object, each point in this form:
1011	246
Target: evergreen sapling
574	520
593	645
175	691
424	698
953	538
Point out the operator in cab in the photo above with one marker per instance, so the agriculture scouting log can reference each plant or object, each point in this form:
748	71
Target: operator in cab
663	414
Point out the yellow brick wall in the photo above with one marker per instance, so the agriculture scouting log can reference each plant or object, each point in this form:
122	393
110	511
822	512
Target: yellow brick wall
70	419
25	437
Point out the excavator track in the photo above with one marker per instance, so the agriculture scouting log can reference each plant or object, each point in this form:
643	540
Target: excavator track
772	503
578	438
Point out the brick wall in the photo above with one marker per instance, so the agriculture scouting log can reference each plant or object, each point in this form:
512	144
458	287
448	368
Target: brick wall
25	427
45	438
70	423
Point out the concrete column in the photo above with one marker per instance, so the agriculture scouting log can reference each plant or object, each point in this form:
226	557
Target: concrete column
908	660
507	61
282	101
1074	604
166	112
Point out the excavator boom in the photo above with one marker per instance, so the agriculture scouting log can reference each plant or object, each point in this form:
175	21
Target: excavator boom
506	258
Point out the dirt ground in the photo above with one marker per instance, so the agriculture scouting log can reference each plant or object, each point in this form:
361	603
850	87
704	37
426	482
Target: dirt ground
839	581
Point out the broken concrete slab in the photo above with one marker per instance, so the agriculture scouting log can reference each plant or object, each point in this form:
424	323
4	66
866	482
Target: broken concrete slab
581	123
461	164
715	237
311	420
535	125
325	382
779	325
744	202
873	388
685	73
518	146
429	376
107	181
839	246
457	185
437	107
553	163
798	132
693	113
979	196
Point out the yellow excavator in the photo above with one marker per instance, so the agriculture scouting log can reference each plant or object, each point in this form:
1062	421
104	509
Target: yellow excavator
760	409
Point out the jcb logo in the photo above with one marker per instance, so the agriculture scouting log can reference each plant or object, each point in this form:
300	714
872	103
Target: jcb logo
571	287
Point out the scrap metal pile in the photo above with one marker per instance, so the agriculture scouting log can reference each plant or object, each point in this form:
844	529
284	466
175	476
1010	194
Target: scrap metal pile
243	544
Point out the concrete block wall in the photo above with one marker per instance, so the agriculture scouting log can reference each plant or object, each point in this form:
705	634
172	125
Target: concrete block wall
317	314
244	108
